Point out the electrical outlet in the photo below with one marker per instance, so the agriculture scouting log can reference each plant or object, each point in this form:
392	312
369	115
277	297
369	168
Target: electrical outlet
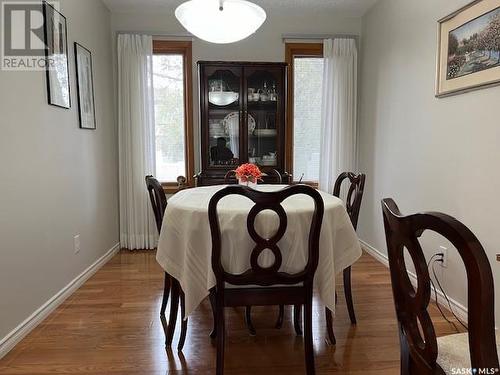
76	243
443	250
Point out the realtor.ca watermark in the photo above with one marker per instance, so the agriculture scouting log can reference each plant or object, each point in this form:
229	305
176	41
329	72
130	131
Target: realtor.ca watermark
23	44
475	371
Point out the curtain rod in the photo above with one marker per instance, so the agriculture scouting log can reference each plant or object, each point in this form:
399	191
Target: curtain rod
157	34
285	37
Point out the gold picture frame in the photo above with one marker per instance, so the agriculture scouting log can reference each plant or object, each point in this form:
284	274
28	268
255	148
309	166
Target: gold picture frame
468	55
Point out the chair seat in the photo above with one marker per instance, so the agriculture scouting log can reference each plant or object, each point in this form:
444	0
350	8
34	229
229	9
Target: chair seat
454	352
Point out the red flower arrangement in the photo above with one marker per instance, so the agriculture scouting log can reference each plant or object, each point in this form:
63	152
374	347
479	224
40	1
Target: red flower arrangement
248	173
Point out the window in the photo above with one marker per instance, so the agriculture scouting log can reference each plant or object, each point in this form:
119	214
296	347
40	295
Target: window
172	82
304	110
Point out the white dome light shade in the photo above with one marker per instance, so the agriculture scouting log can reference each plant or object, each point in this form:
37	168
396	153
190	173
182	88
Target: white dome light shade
237	20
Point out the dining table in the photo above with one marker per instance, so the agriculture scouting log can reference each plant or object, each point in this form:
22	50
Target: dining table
185	244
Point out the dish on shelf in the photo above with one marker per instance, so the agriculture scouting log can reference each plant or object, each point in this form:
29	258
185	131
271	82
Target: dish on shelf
223	98
268	162
218	134
216	129
265	132
232	124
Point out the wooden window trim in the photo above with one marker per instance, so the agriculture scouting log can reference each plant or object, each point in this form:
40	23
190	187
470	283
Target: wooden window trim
184	48
293	50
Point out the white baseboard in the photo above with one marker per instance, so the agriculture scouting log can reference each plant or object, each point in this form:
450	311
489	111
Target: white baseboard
459	309
18	333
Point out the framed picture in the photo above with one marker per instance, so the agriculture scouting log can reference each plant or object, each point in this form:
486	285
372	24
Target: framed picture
85	87
469	48
56	53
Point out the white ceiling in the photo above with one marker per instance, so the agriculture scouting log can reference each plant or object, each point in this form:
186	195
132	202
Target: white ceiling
344	7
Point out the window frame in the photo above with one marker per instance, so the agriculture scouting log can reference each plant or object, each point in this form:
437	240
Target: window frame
184	48
293	50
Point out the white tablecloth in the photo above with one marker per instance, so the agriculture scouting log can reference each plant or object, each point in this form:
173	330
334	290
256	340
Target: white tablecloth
185	245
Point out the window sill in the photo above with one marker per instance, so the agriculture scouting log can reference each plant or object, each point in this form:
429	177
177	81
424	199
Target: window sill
172	187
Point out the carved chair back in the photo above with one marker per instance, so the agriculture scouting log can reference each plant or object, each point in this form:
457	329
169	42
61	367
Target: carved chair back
158	199
258	275
354	194
420	346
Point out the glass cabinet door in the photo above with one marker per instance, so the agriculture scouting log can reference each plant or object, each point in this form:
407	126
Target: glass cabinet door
264	95
224	114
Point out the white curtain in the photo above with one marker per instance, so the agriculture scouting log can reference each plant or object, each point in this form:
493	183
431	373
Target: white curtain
339	107
136	140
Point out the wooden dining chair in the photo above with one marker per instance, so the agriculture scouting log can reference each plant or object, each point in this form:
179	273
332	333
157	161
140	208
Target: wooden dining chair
299	286
230	178
421	352
273	177
159	204
353	200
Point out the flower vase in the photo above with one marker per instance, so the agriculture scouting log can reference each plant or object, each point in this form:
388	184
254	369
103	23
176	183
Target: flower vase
247	182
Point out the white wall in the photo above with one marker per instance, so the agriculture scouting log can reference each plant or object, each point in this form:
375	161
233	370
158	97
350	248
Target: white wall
265	45
426	153
56	180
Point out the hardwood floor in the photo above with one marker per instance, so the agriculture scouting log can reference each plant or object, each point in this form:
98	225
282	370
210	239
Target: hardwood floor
111	326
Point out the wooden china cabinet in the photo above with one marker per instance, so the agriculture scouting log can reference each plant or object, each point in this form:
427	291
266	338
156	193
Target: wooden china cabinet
242	113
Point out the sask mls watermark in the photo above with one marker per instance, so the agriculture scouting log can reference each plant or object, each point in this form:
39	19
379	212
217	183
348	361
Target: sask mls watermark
23	43
475	371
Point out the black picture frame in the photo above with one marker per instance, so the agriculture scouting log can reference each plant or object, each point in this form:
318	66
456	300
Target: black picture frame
85	87
58	86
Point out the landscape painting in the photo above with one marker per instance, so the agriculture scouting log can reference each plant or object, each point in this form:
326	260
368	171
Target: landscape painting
474	46
468	55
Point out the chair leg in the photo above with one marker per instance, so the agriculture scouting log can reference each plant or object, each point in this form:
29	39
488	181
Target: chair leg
296	319
405	355
329	326
220	336
213	304
248	321
281	316
174	307
308	339
348	294
166	293
182	339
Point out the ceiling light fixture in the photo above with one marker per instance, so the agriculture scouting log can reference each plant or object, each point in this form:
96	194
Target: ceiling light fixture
220	21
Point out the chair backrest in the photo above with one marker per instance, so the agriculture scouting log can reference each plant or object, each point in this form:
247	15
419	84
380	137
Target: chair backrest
411	305
158	199
230	177
354	194
273	176
258	275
